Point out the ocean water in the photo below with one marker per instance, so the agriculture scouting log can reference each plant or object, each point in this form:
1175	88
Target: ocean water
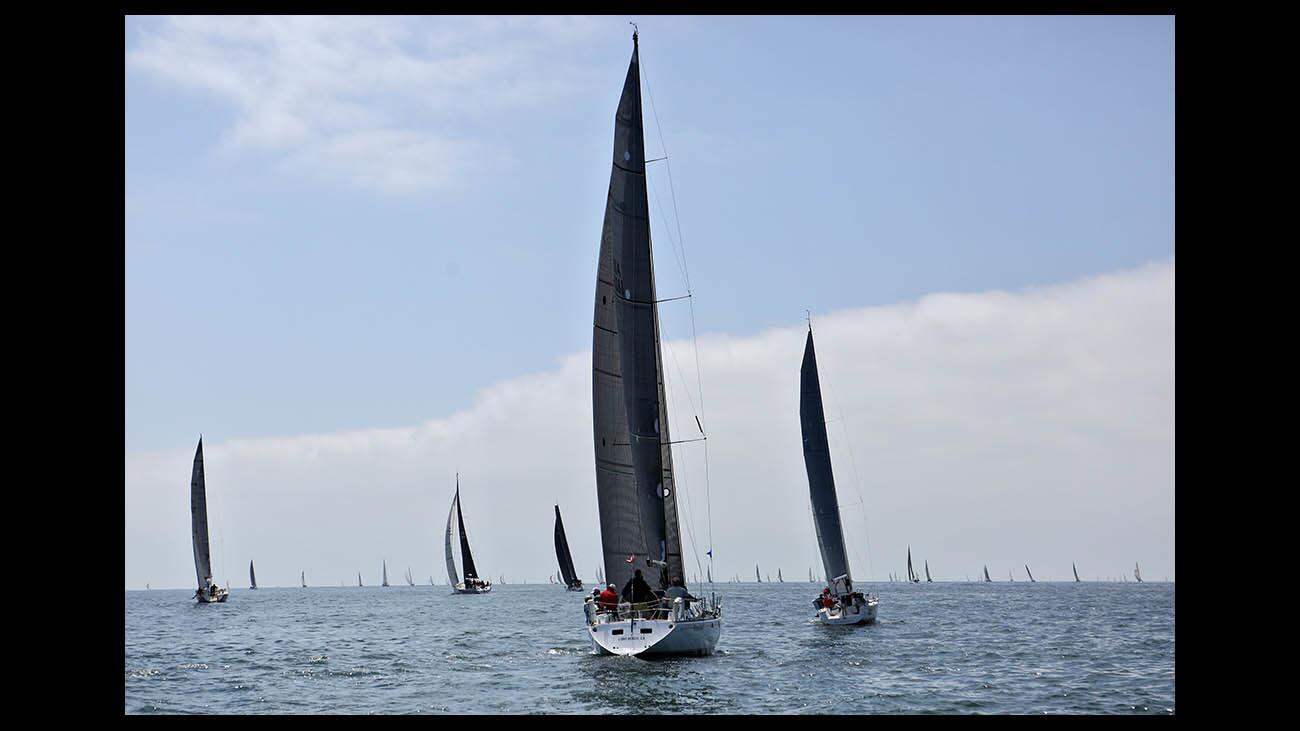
966	648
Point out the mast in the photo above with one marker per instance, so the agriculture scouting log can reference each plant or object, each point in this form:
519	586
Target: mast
570	575
199	520
634	474
817	462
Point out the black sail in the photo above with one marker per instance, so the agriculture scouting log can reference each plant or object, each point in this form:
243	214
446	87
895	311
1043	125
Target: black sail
199	519
634	485
562	551
817	460
470	571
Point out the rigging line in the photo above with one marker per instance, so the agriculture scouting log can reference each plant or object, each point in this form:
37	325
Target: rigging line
681	265
654	109
857	480
690	520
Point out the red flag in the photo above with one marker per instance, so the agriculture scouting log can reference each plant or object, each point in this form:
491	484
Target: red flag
631	557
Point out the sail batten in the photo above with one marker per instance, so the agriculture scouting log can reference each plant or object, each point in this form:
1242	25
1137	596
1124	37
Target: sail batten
817	462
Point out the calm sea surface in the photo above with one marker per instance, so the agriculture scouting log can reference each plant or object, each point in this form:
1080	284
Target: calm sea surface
938	648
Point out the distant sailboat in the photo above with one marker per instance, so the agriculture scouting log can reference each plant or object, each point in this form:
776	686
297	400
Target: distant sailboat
410	580
252	576
359	579
756	576
927	572
1031	576
384	582
778	576
1076	572
986	574
208	591
304	579
1137	573
1009	576
568	574
471	583
146	587
847	607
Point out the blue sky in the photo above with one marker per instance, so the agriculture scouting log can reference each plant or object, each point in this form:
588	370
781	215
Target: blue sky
341	224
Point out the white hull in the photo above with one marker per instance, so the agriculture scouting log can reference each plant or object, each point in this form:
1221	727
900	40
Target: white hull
651	637
462	589
865	614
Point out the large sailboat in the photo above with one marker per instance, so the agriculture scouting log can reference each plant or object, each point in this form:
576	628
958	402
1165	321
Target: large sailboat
208	591
470	583
635	482
839	603
570	575
252	576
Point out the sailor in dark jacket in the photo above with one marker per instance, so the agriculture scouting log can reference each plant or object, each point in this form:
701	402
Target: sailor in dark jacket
636	590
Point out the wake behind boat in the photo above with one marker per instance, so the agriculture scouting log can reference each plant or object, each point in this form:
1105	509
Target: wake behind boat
470	583
208	592
635	485
838	604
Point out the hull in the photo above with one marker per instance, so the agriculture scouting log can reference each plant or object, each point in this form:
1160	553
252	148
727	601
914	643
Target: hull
865	614
656	637
576	588
462	589
220	598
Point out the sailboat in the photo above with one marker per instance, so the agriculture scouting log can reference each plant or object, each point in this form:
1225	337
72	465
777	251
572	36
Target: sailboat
911	575
384	582
470	583
1009	576
846	605
570	575
252	577
928	580
756	576
1076	572
779	580
1137	573
986	574
208	591
304	579
359	579
1031	576
410	581
635	480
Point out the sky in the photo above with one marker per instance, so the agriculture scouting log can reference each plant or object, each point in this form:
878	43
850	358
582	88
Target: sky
360	257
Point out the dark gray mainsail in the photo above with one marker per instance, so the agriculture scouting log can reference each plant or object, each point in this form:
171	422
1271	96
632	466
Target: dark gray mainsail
562	551
467	559
817	460
199	519
634	473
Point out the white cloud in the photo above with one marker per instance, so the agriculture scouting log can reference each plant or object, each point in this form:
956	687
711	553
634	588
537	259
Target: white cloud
337	91
996	428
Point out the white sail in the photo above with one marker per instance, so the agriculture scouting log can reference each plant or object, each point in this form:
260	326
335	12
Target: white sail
453	577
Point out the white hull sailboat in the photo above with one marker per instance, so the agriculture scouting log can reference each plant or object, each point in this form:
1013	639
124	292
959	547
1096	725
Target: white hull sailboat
470	583
839	604
635	480
208	592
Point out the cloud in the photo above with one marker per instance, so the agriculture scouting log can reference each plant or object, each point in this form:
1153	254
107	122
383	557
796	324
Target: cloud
381	103
996	428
